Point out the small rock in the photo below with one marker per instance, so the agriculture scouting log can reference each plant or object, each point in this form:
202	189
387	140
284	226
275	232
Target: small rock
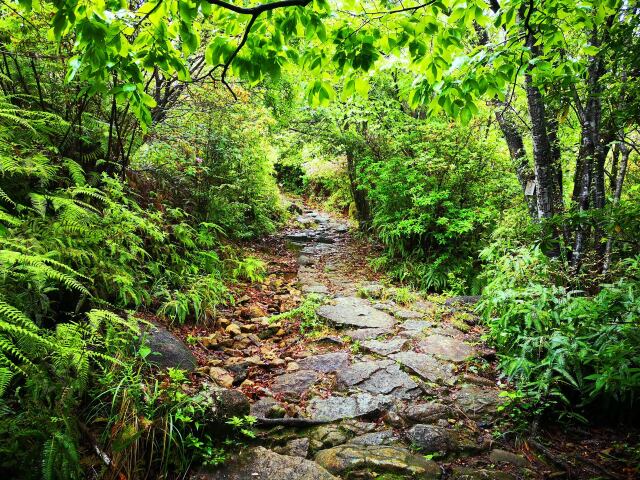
423	412
478	402
327	436
293	367
356	312
362	334
476	380
233	329
406	314
372	290
466	473
209	342
248	327
225	403
446	348
223	322
221	377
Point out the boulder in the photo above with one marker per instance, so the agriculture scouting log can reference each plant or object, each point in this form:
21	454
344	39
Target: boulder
349	459
167	350
225	403
261	464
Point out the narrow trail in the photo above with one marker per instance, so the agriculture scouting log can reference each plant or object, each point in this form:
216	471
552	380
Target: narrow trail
385	385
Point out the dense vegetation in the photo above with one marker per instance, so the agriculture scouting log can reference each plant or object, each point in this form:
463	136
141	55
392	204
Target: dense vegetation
489	148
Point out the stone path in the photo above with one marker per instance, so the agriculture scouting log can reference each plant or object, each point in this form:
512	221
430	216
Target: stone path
395	390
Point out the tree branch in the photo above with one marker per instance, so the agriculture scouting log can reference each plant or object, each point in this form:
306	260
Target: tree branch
258	9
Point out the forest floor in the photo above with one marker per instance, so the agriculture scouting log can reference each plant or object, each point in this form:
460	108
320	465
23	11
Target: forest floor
380	383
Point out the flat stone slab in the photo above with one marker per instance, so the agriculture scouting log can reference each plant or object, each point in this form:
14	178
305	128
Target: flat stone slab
362	334
379	377
383	437
478	402
385	347
414	328
357	405
426	366
406	314
355	312
262	464
429	412
293	385
317	288
325	363
376	458
447	348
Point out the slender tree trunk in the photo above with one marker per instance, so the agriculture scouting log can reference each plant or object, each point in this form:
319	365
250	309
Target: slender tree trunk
617	193
518	154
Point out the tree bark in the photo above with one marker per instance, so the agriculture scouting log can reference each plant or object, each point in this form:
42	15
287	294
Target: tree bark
518	154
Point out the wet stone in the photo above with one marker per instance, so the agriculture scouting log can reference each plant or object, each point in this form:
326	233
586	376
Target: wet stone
429	412
372	290
447	348
466	473
477	402
293	385
317	288
355	312
267	407
327	436
362	334
325	363
261	464
357	405
376	458
431	438
426	366
406	314
379	377
385	347
383	437
414	328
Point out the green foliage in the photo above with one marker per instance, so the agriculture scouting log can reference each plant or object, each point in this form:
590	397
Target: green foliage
250	269
305	313
564	348
215	163
436	191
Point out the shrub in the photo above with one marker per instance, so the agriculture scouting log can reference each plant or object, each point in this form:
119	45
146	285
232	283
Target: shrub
563	348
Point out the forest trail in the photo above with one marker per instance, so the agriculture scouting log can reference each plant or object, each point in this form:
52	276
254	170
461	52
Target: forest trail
383	384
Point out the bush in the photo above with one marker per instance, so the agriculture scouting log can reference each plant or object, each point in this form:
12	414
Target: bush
214	162
436	192
563	348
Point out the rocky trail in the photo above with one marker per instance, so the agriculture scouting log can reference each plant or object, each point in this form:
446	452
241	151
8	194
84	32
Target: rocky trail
382	383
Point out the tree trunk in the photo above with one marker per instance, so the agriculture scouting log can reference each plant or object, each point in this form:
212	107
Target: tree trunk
617	193
518	154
